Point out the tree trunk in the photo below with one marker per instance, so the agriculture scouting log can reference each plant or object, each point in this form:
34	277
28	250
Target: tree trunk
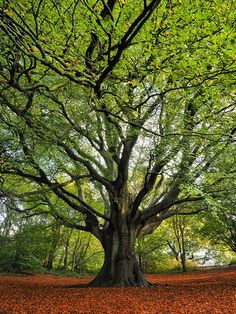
56	229
183	262
120	268
67	246
75	253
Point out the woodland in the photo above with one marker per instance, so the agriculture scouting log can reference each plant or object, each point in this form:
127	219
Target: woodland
117	137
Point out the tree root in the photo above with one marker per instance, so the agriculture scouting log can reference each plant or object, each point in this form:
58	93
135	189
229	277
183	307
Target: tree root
130	283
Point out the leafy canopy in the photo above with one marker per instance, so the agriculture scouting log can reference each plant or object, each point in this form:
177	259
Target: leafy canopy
117	104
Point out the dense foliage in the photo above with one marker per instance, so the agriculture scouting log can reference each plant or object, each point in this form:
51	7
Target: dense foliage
40	244
115	115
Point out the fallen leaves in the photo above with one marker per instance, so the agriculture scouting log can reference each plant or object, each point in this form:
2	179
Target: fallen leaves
208	292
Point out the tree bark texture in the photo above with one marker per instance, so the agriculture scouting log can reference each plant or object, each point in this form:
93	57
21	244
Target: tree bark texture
120	267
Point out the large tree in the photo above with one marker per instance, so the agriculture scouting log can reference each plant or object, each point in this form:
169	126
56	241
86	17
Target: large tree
114	113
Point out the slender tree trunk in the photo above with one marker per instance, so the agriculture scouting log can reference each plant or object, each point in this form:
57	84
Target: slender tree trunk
183	255
120	268
50	260
81	262
55	239
183	252
183	262
75	253
67	246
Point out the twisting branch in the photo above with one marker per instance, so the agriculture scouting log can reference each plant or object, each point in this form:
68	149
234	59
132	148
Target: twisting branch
126	41
108	184
83	203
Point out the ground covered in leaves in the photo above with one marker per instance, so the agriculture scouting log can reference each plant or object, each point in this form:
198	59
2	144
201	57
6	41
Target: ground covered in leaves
208	291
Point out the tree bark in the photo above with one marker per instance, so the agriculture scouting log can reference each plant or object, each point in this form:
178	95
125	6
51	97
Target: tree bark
183	262
75	253
120	267
55	239
67	246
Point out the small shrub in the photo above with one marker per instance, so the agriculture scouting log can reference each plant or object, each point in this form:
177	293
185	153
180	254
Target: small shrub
232	262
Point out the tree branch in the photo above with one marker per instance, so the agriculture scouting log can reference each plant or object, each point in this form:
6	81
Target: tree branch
125	42
90	168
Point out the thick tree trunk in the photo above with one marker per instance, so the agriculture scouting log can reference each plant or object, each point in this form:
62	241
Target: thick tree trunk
120	268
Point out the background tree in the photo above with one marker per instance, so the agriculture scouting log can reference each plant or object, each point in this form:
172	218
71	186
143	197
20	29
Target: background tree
151	249
220	222
25	245
178	245
185	241
39	244
220	226
114	112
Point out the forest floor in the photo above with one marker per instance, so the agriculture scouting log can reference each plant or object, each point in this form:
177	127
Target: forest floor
206	291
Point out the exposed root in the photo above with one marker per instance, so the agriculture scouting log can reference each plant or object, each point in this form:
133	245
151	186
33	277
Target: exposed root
130	283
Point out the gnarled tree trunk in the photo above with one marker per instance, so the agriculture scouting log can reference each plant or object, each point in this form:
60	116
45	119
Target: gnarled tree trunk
120	267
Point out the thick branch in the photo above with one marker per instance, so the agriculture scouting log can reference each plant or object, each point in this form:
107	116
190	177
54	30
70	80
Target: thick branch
94	174
84	204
